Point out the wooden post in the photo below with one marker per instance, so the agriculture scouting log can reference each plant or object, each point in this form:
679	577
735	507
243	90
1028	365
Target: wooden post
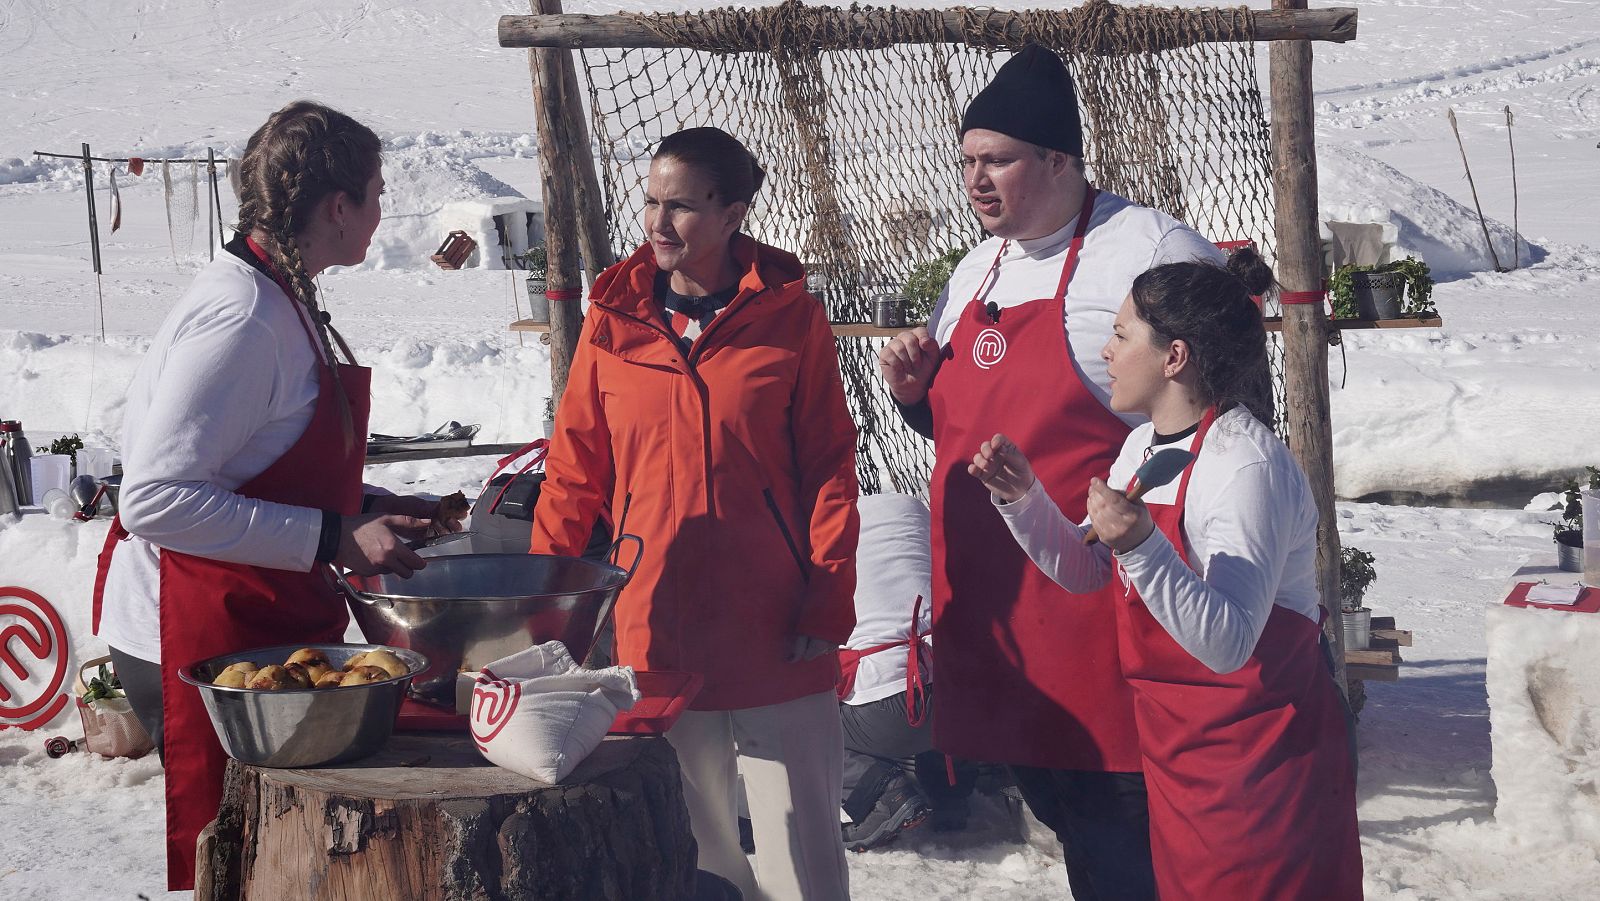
559	120
594	238
1305	335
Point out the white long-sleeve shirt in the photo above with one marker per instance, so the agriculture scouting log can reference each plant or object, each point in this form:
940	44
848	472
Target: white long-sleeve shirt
1249	530
228	386
1124	239
894	564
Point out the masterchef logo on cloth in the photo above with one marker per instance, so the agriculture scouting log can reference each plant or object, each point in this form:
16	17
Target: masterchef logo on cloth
33	660
493	702
989	348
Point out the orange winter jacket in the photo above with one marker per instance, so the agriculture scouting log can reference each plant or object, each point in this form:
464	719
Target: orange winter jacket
740	460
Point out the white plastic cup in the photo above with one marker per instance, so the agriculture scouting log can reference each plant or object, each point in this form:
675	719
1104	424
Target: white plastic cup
59	503
1591	538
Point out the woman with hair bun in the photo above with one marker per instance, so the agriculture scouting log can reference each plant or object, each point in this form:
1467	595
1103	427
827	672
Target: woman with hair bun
1243	733
705	399
244	439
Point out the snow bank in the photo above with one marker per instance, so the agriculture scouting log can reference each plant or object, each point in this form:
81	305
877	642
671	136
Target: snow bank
1418	220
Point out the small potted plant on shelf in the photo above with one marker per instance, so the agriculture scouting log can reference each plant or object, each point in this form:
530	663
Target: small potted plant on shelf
549	417
1386	291
925	281
1355	575
533	260
1569	528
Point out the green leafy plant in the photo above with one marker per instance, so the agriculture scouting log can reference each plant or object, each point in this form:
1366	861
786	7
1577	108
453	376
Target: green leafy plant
103	686
67	445
1355	574
926	280
1571	503
534	259
1419	287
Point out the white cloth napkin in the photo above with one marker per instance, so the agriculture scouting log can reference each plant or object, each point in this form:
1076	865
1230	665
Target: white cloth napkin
539	714
1554	594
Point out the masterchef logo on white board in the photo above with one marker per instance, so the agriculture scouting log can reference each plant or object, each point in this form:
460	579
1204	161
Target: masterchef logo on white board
989	348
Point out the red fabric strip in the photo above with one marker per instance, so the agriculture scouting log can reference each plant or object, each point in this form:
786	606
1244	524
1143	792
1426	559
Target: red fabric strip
562	295
1288	298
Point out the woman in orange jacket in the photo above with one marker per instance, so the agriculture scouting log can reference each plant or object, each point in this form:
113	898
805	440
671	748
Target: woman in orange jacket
706	390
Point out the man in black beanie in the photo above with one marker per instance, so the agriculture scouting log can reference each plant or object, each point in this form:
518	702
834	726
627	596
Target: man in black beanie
1029	675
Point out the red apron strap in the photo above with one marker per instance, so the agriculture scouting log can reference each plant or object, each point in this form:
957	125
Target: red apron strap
916	689
1071	264
848	662
538	444
102	566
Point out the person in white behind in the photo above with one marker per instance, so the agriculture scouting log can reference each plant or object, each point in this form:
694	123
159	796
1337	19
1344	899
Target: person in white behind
1242	731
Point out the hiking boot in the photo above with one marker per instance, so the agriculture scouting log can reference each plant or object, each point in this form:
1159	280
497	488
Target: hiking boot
898	809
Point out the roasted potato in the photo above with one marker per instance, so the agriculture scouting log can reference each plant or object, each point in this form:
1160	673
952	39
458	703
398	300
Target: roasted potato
298	673
273	678
385	659
331	679
244	666
355	661
308	656
364	675
232	678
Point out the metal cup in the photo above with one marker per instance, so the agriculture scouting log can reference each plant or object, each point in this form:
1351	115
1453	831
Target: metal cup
889	311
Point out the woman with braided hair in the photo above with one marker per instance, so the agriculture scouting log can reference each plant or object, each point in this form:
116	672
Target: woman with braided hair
244	439
1242	732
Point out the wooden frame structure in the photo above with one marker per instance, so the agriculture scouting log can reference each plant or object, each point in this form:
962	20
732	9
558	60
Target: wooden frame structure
572	209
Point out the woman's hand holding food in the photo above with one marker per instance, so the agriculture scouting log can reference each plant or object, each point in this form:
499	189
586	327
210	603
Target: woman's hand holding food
375	543
444	515
1122	524
1002	468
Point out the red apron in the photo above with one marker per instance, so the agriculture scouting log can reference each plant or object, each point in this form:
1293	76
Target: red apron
210	608
1027	673
1252	789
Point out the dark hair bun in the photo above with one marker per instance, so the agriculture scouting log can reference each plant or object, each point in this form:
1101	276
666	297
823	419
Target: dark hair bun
1248	267
732	168
758	175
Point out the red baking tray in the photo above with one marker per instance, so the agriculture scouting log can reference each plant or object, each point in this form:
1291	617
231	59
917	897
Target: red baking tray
663	698
1588	600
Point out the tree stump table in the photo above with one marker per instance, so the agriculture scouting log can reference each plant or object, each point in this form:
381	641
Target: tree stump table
429	818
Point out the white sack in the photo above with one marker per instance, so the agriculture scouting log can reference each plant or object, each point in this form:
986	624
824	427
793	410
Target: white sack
537	713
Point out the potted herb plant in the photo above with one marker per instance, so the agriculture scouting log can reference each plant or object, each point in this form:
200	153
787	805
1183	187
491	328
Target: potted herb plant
1355	575
534	261
1569	528
925	281
1385	291
549	417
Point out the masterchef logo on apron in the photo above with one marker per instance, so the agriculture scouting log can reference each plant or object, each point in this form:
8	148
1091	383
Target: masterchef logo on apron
989	348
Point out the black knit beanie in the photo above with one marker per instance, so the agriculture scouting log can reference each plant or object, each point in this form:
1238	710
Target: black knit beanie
1031	99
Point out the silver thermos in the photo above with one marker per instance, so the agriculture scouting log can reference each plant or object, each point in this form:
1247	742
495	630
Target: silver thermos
17	455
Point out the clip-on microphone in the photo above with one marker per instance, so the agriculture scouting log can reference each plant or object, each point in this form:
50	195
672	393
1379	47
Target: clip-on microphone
994	311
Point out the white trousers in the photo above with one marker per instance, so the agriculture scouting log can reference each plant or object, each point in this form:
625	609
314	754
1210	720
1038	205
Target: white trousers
791	756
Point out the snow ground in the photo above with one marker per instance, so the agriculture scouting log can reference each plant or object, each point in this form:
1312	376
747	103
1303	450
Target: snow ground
1499	401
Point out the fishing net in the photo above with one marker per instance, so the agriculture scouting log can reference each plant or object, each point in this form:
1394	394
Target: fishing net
855	114
180	187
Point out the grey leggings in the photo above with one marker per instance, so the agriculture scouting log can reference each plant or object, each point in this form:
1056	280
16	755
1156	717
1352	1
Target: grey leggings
141	682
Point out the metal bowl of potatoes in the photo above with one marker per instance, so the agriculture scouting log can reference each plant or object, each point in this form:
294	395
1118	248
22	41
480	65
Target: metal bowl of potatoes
267	713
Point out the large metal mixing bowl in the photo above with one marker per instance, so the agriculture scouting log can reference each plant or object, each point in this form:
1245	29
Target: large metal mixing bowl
301	727
466	611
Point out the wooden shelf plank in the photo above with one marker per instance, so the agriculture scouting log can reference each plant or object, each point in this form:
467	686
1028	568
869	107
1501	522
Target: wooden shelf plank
1401	637
1373	656
1369	673
1382	623
1275	323
528	325
868	330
